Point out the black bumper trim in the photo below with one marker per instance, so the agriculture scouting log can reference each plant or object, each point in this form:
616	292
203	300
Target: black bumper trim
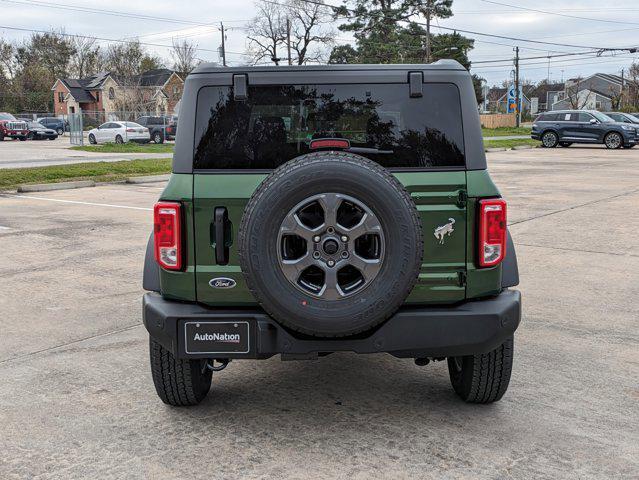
468	328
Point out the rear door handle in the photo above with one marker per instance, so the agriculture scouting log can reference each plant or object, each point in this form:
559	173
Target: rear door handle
221	235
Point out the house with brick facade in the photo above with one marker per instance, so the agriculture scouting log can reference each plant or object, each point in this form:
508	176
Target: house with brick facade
105	95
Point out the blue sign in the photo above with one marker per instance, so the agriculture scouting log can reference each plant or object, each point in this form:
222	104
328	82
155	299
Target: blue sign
512	99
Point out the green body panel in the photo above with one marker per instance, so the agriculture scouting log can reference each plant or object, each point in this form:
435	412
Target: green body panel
480	282
448	273
181	285
233	192
436	194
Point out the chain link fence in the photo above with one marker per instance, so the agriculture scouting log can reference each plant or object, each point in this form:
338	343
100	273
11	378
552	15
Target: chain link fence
161	127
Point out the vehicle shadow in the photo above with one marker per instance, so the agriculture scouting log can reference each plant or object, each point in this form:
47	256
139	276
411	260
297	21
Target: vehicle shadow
341	391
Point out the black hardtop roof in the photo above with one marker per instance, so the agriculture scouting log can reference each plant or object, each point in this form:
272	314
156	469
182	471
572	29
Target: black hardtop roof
438	65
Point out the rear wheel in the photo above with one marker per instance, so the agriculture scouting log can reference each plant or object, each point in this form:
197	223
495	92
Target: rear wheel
158	137
92	139
60	131
613	140
549	139
565	144
482	378
178	382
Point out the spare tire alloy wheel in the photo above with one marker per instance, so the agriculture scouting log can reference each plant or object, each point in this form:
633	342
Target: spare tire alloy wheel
337	257
330	244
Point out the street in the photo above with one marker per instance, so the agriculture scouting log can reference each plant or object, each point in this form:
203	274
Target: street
77	400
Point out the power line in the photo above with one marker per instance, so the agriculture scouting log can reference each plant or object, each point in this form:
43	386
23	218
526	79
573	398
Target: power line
558	65
103	39
559	14
78	8
504	37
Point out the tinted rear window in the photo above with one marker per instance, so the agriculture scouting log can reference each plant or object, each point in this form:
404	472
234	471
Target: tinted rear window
277	123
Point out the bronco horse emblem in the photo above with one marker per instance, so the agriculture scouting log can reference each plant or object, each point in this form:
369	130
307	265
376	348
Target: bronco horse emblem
444	230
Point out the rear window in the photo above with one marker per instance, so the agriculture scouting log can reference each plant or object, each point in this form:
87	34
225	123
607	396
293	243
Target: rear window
277	123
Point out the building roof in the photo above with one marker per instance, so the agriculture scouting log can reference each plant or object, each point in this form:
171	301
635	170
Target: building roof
541	90
155	78
81	88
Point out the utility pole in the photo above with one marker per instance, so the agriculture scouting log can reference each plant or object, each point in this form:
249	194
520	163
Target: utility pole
223	47
621	93
517	99
288	40
428	13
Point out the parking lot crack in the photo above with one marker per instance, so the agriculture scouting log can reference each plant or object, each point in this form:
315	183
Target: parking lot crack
73	342
579	250
592	202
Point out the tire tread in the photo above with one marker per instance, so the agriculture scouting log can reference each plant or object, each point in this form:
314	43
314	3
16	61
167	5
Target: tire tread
174	378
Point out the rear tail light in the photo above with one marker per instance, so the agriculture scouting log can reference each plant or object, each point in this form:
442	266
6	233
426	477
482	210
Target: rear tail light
492	231
167	235
130	130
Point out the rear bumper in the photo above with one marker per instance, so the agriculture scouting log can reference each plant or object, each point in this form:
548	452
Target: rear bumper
464	329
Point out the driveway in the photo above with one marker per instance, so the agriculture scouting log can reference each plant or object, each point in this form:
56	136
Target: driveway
77	399
40	153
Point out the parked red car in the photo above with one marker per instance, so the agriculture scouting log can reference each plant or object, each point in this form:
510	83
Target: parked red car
12	128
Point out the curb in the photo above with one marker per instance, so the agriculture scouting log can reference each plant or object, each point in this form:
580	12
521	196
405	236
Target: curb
522	147
496	149
148	179
46	187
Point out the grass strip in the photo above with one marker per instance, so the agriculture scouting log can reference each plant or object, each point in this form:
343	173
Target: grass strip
504	131
510	143
97	171
127	148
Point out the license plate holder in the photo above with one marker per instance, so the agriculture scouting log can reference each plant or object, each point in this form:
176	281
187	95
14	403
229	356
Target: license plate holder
216	337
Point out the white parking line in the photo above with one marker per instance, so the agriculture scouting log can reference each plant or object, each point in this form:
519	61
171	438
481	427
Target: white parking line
2	227
79	203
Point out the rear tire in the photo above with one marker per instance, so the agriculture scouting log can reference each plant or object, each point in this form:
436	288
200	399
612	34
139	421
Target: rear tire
549	139
158	138
178	382
92	140
60	131
482	378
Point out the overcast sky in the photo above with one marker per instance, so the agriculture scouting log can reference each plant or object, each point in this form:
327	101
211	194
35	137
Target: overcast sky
614	24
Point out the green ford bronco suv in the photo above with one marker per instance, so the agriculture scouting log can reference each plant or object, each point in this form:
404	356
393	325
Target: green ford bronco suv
319	209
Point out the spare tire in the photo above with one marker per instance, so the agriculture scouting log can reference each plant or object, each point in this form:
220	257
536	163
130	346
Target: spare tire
330	244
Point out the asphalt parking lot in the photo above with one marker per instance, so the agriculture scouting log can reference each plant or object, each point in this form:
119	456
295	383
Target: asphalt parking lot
40	153
77	399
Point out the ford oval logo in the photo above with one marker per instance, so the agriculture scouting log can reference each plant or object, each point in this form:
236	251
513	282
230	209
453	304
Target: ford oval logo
222	282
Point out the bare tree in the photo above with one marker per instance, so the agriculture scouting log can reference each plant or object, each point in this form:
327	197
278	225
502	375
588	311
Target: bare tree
184	57
85	60
297	28
266	32
7	59
616	97
310	31
633	84
577	94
